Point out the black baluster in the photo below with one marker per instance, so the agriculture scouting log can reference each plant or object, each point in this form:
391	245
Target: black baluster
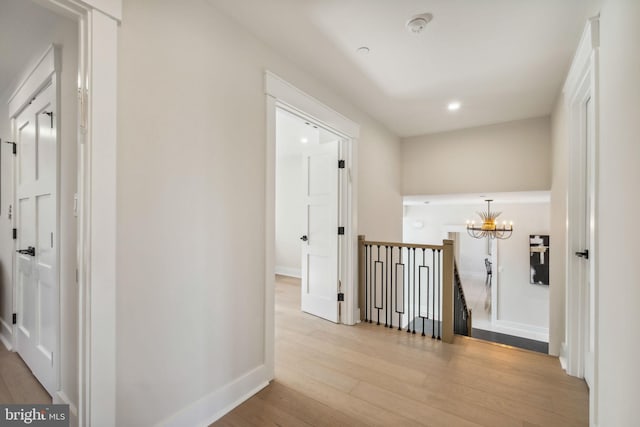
433	294
414	291
375	287
386	283
366	277
439	294
420	293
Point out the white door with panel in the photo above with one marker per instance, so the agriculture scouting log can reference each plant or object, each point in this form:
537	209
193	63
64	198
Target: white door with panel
320	246
36	276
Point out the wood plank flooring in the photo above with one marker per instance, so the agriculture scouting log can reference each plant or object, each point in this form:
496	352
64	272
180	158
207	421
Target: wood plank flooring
367	375
17	383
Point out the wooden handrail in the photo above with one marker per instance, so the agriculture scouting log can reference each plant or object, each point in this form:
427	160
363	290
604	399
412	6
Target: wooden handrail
401	245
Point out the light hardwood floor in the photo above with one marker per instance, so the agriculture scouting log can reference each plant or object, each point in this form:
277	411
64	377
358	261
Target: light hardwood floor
17	383
367	375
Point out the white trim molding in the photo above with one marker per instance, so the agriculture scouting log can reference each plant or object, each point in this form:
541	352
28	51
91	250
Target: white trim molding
305	104
215	405
60	398
531	332
7	339
581	90
288	271
38	77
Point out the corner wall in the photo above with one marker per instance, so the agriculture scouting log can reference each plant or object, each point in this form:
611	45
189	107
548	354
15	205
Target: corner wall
618	371
191	207
559	182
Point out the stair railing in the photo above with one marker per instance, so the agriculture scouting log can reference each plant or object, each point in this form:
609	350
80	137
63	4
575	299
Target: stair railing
407	286
461	312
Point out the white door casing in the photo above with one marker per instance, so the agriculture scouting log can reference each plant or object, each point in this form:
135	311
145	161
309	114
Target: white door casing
37	284
281	94
97	83
587	279
320	273
581	332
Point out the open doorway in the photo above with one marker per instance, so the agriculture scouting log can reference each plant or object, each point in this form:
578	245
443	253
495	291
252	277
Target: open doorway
475	259
283	98
507	306
39	176
310	183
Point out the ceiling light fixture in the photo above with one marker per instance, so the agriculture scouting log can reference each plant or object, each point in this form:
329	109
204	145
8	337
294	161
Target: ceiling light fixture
363	50
454	106
489	227
304	140
416	24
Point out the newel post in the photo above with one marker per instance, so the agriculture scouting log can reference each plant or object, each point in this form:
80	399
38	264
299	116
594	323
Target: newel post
447	292
361	284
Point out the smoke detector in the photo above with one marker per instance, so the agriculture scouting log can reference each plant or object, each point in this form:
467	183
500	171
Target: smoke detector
416	24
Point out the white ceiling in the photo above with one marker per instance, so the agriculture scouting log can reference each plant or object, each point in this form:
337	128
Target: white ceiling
25	29
502	59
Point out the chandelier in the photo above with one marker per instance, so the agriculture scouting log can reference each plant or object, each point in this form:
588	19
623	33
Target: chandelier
489	227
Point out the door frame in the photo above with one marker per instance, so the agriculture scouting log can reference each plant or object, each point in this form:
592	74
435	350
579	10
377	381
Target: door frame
98	22
281	94
582	85
454	232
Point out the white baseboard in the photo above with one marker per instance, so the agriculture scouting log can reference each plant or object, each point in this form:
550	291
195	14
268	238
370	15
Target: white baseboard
563	355
60	398
521	330
218	403
6	335
288	271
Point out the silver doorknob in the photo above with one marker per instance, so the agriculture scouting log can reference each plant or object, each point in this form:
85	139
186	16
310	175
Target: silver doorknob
304	238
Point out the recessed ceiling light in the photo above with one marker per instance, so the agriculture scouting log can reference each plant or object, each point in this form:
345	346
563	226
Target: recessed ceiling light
304	140
363	50
454	106
417	23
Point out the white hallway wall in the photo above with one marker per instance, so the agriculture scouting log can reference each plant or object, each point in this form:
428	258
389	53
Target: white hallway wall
191	202
521	305
618	207
513	156
63	32
557	273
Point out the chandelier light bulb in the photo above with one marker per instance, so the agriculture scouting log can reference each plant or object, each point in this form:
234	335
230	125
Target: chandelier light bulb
489	227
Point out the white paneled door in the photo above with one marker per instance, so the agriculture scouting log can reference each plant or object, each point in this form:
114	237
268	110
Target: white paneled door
36	221
320	243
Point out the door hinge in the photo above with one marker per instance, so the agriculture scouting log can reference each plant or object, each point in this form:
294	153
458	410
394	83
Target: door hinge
340	230
340	296
15	147
14	319
15	233
340	164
